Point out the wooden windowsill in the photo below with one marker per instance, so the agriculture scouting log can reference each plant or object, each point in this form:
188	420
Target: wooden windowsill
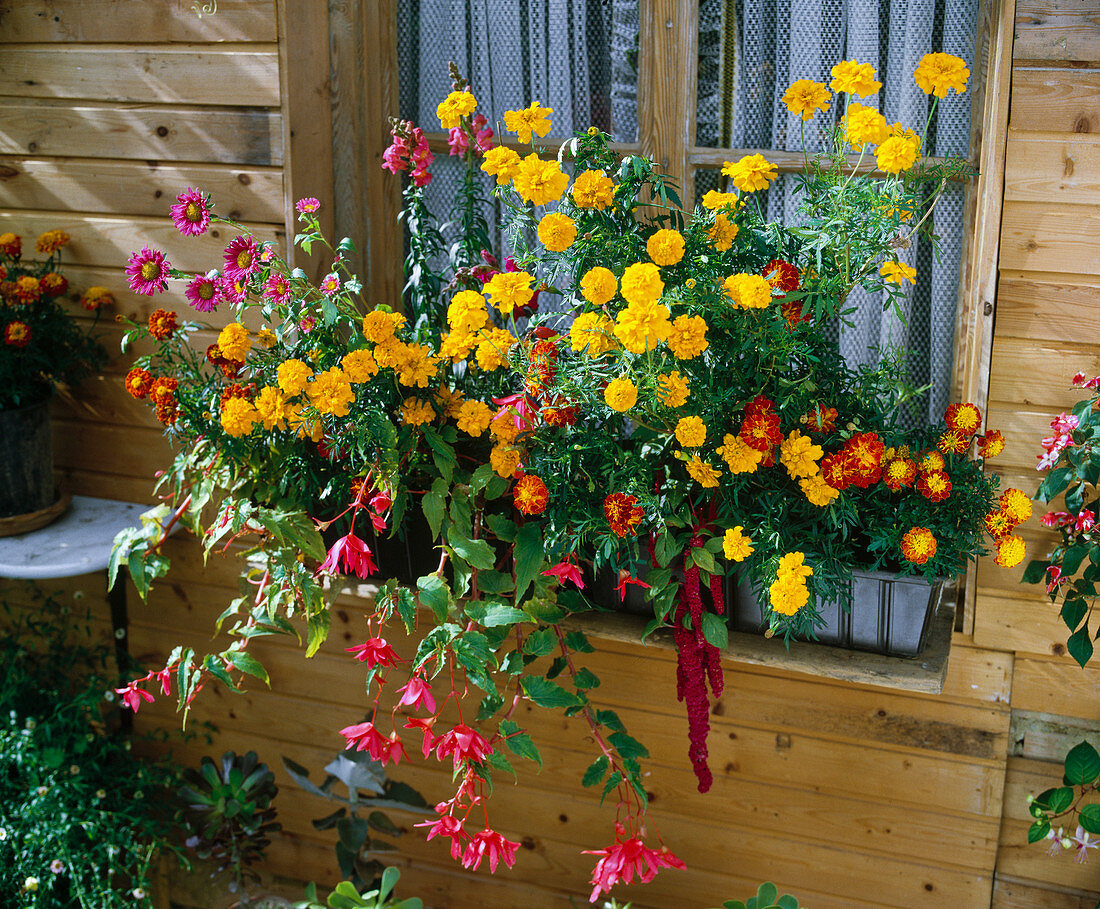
924	673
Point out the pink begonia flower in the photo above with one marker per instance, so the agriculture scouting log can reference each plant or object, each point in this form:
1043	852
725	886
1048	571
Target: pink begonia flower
365	737
447	826
353	553
424	724
1056	519
1048	460
1086	520
1056	579
489	843
621	861
1084	844
625	579
132	696
521	411
417	694
375	652
393	750
165	679
566	571
1081	382
1064	423
381	501
462	744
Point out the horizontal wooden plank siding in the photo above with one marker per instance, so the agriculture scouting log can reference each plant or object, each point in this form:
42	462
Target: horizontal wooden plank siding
1057	30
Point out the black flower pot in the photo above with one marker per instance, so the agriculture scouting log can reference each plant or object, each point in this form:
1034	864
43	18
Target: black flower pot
26	460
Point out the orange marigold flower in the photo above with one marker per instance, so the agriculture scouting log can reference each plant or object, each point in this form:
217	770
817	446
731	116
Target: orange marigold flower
53	284
899	473
162	323
168	411
27	289
821	420
1010	551
965	419
623	513
139	382
17	334
934	485
164	390
559	412
999	524
781	275
953	442
51	241
865	452
918	545
11	244
931	460
991	444
760	430
838	470
1016	504
97	298
531	495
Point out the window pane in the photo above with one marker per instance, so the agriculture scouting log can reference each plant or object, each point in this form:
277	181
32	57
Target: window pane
579	57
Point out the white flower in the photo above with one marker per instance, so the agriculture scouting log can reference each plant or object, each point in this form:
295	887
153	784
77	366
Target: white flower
138	893
1084	844
30	884
3	834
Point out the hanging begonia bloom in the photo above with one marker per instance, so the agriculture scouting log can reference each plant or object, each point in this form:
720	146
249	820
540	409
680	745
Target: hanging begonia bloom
566	571
375	652
417	693
462	744
447	826
353	554
365	737
132	696
620	862
489	843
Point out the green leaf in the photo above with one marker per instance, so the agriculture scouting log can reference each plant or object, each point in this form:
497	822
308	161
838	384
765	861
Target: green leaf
519	742
502	528
1080	646
703	559
245	662
1036	571
627	746
442	453
665	549
715	630
435	595
596	771
766	894
610	719
586	680
1073	558
1059	799
477	553
578	643
529	556
541	642
472	651
1089	818
435	507
490	704
494	582
548	694
1073	610
492	614
1038	831
498	761
1082	766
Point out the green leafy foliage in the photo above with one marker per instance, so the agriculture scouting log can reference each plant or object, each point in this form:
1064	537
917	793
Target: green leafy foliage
347	896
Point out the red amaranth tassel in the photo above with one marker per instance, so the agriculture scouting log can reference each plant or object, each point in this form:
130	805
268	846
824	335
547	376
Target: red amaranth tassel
693	657
714	658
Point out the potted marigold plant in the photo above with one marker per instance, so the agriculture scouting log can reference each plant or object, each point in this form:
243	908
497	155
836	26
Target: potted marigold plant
43	348
678	412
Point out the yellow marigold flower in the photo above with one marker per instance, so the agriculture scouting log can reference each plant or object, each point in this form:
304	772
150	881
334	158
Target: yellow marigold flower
504	460
51	241
557	232
788	594
806	97
854	78
736	547
539	182
864	125
599	285
454	107
642	283
234	341
457	345
503	428
493	349
593	333
688	337
238	417
273	407
266	338
642	326
449	401
713	200
938	73
896	154
723	232
419	366
467	312
531	119
748	291
897	272
672	389
691	432
330	392
751	173
474	417
800	455
739	456
593	189
1010	551
391	354
1016	504
794	564
359	365
508	290
701	472
620	394
665	247
817	491
415	412
501	162
293	376
380	326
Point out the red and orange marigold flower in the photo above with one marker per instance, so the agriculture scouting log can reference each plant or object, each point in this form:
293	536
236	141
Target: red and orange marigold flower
139	382
865	452
954	442
162	323
991	444
531	495
17	334
965	419
782	276
934	485
623	513
821	420
918	545
899	473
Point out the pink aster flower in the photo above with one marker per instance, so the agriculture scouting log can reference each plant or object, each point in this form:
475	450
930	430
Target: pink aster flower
623	860
203	292
417	693
231	292
330	284
277	289
148	271
242	258
462	744
365	737
353	554
132	696
306	324
191	214
450	827
489	843
308	204
375	652
566	571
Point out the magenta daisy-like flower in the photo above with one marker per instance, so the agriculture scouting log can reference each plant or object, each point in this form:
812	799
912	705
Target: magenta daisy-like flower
203	291
330	284
230	292
242	258
148	272
277	289
190	213
307	204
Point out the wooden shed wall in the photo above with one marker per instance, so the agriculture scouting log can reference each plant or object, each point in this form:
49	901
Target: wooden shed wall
847	795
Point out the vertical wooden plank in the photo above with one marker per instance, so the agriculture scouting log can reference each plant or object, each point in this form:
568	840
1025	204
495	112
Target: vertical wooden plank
668	65
305	90
978	278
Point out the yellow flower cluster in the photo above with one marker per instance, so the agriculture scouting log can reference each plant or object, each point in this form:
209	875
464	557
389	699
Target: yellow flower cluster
723	232
621	394
234	341
593	333
939	73
897	272
539	182
642	326
702	472
691	432
501	162
593	189
665	247
864	125
672	389
599	285
788	593
800	455
687	337
738	455
735	545
454	107
748	291
641	283
751	173
532	119
557	232
854	78
509	290
807	97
